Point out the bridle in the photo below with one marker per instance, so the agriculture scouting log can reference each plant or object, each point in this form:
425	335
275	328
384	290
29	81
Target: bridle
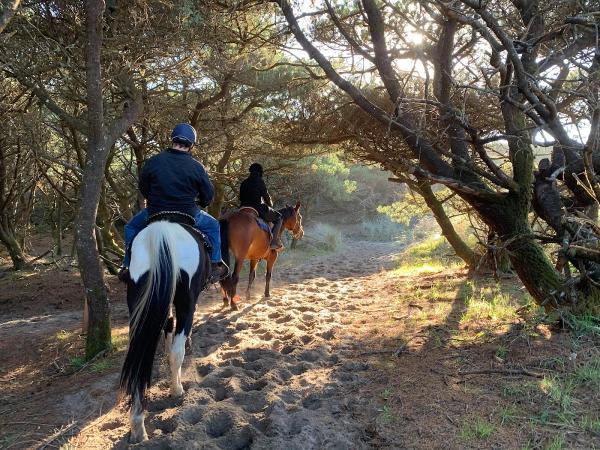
297	231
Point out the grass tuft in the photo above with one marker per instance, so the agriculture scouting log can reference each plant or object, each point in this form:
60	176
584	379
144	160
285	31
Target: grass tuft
120	342
494	306
429	256
556	443
478	429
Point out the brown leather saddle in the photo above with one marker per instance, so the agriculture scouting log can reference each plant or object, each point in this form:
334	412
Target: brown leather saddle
260	222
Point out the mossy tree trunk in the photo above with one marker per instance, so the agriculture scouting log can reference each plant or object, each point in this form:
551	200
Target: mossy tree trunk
99	141
9	239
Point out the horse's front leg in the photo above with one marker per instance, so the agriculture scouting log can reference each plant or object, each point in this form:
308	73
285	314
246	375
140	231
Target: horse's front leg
270	263
251	276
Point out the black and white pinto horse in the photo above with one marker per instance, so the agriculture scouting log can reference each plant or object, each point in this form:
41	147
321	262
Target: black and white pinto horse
169	267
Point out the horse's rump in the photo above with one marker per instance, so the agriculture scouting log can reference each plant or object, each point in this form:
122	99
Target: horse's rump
183	245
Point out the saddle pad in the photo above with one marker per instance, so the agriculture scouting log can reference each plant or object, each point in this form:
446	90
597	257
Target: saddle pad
260	222
263	225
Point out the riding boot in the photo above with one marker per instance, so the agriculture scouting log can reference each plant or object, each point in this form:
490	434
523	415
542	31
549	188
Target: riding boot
276	239
219	271
123	274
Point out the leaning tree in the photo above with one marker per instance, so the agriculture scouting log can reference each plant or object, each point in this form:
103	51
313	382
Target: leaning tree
504	81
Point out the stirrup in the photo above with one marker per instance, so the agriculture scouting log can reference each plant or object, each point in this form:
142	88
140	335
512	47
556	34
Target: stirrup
222	271
277	246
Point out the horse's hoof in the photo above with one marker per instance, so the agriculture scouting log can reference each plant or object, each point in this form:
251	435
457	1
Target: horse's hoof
136	438
177	391
235	307
225	303
267	295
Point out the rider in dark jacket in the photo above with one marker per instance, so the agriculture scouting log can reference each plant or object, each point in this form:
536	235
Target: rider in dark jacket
173	181
254	193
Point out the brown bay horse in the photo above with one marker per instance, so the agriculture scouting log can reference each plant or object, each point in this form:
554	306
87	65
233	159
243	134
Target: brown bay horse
241	234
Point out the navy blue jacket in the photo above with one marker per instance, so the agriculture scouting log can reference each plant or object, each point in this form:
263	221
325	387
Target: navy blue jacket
172	181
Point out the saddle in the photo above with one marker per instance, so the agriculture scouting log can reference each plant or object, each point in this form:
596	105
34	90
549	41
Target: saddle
186	220
172	216
260	222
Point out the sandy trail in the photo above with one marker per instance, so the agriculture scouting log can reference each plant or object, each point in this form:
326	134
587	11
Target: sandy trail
282	373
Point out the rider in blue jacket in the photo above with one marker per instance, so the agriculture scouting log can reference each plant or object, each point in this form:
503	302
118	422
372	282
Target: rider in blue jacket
174	181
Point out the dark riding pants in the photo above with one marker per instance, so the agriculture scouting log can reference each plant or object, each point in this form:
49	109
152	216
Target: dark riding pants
268	214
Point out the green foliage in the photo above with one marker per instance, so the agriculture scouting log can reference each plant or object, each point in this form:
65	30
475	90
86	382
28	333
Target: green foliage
556	443
591	424
501	352
324	236
433	247
478	429
584	325
332	174
406	210
334	188
119	342
491	304
588	373
508	414
78	362
559	390
431	255
380	229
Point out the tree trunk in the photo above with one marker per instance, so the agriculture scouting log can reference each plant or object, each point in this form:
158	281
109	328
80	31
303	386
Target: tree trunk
59	225
15	251
92	275
8	11
214	208
460	247
508	219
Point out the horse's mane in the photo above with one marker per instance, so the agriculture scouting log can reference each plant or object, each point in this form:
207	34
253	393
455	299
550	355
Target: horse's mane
286	212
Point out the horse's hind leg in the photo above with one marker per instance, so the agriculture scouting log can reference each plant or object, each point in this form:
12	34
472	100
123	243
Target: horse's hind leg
270	263
224	292
235	277
136	420
175	361
251	276
184	312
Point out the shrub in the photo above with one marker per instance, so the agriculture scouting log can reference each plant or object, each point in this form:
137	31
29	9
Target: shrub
325	236
380	229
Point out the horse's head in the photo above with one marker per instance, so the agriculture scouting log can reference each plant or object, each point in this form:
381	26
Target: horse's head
292	220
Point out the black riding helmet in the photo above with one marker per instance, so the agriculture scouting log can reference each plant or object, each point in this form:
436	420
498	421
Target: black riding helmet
256	168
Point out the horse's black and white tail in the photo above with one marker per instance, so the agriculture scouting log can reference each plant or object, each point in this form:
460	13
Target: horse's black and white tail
152	308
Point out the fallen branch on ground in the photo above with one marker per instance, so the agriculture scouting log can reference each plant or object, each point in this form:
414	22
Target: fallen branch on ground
57	434
502	372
